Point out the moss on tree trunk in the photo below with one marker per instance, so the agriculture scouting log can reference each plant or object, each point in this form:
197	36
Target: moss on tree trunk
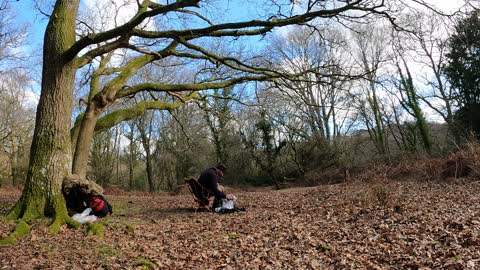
84	140
50	155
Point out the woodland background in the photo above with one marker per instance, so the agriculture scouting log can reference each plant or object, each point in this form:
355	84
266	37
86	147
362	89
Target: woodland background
383	96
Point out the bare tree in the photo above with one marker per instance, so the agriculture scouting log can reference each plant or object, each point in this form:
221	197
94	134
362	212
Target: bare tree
318	94
102	157
372	54
132	151
16	122
410	102
145	128
430	46
320	98
217	116
12	37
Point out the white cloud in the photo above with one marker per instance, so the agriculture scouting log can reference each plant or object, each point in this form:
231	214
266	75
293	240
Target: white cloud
107	14
31	99
447	6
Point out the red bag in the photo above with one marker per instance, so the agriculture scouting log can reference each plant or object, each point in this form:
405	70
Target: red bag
100	206
97	204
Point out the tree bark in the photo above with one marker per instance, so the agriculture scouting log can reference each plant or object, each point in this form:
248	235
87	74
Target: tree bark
151	182
144	129
131	157
50	156
84	139
13	156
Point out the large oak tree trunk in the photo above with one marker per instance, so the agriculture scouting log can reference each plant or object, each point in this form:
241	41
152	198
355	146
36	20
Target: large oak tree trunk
50	156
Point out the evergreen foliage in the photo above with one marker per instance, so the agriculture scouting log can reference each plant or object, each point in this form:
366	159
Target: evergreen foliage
463	70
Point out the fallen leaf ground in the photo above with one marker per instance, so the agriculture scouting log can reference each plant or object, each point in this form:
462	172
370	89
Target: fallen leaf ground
406	225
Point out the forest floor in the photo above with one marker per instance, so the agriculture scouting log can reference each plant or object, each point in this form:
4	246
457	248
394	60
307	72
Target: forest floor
399	225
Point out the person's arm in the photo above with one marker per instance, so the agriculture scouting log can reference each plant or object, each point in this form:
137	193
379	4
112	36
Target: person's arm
218	193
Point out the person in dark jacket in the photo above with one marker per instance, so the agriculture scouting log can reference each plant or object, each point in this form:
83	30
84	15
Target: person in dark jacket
209	179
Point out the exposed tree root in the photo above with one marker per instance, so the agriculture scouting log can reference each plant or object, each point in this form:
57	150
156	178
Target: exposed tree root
96	229
21	229
15	212
60	220
27	212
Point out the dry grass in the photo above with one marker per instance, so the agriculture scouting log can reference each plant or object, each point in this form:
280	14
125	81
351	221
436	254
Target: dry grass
461	164
384	185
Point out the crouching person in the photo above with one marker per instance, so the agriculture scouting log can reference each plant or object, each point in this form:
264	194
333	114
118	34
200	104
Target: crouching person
209	179
84	200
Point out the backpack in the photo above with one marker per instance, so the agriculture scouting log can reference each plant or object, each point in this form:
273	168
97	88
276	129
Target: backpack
100	206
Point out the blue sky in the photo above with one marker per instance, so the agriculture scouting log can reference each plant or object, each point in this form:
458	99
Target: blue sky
237	10
27	13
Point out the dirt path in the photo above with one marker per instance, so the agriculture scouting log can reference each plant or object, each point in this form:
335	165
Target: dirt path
348	226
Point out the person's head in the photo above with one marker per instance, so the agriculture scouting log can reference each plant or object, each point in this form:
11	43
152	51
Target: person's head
220	169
